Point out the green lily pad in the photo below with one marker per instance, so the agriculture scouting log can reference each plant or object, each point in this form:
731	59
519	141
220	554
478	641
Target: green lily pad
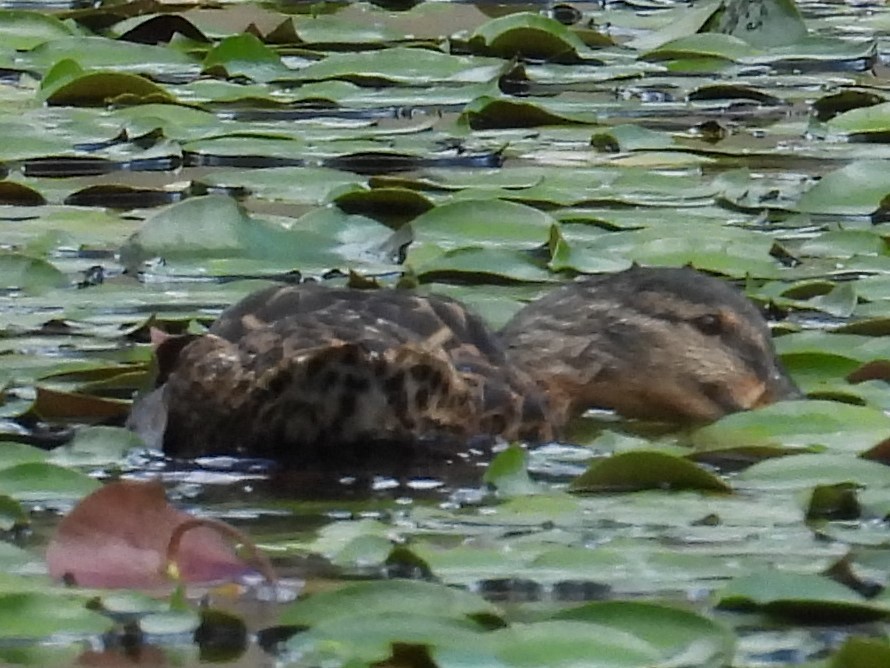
860	652
404	596
99	52
671	629
840	427
488	112
768	23
799	596
402	65
572	643
24	30
702	45
859	188
40	615
11	515
371	639
98	89
94	446
863	121
246	55
39	481
507	473
529	35
636	470
807	470
29	274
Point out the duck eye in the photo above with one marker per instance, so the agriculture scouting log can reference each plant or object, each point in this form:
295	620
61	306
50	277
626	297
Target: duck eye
709	324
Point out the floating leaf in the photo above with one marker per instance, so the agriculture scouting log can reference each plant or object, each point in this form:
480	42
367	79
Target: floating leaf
94	446
867	122
507	473
572	643
861	652
400	65
394	206
54	405
636	470
834	502
120	536
245	55
859	188
99	52
29	274
372	639
799	596
370	598
631	138
24	30
41	615
702	45
488	112
97	89
808	470
19	194
528	35
11	514
212	226
673	630
765	23
38	481
837	426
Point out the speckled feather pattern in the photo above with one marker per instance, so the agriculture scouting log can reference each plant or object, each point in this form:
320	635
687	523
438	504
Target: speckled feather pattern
293	369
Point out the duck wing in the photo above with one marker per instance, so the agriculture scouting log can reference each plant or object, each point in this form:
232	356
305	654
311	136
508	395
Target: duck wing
295	372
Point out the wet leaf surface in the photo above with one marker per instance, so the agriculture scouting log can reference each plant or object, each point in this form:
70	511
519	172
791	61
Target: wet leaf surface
161	161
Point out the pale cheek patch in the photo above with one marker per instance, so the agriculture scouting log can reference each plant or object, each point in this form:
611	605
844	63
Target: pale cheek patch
750	392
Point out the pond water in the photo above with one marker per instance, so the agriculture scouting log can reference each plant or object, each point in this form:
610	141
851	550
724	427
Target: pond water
161	160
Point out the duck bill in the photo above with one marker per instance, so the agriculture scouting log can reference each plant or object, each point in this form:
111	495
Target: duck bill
779	387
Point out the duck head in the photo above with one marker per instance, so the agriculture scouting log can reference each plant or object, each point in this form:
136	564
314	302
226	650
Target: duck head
653	343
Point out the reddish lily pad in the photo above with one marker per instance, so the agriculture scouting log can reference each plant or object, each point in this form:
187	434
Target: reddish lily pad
120	536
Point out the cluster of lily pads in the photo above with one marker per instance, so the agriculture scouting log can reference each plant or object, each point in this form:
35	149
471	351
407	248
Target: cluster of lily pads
161	160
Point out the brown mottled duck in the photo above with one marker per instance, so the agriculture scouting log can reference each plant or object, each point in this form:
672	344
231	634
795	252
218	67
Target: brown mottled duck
307	372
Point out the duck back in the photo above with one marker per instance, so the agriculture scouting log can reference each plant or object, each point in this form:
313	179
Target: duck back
307	372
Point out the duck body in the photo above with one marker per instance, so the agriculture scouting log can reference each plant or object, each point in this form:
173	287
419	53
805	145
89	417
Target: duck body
308	373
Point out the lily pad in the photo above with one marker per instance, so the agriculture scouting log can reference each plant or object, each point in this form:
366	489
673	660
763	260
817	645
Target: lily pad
859	188
405	596
529	35
799	596
41	615
839	427
636	470
29	274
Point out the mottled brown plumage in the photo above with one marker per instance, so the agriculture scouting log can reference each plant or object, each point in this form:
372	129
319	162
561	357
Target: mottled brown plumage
311	373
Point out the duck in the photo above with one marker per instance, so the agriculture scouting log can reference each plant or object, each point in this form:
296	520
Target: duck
309	374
